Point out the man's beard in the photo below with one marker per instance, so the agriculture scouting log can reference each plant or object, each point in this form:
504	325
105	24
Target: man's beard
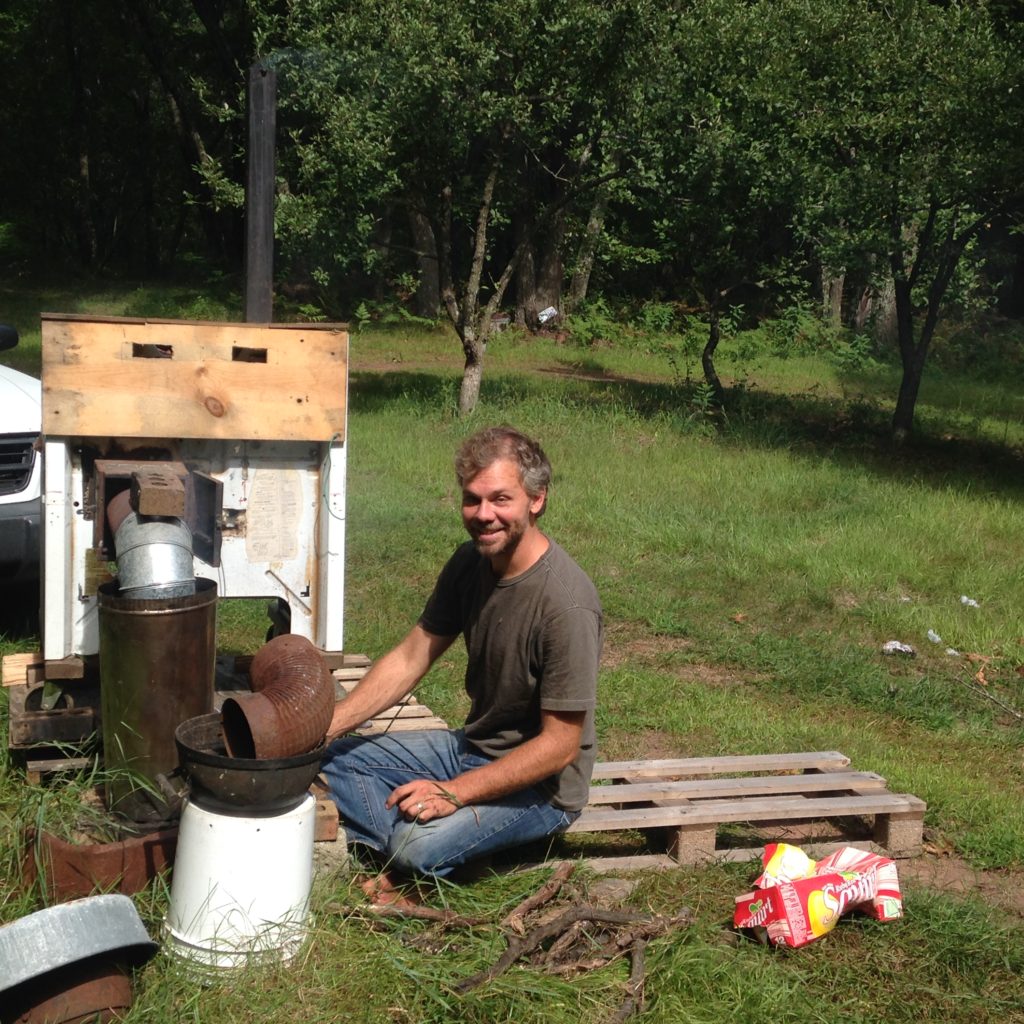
513	534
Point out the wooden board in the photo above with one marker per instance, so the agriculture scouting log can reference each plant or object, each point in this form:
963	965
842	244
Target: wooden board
125	377
711	812
22	669
820	760
759	785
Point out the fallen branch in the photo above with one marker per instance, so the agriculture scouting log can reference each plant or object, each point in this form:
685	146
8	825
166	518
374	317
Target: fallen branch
995	700
447	918
634	1001
644	926
514	920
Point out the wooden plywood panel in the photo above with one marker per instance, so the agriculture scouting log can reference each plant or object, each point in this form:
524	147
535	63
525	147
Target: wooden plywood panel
125	377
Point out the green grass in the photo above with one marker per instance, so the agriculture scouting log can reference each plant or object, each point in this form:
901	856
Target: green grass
751	566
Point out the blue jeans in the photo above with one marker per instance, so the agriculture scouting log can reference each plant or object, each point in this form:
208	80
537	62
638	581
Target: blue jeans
362	772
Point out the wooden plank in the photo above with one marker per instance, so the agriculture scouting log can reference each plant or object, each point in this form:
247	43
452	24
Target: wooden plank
65	668
400	725
126	377
36	728
755	809
404	711
341	661
35	770
728	765
18	668
763	785
325	821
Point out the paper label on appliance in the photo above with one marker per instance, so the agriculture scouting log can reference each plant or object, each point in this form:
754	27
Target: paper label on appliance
273	514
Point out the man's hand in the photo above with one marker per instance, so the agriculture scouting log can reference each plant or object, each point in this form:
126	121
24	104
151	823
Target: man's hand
423	800
548	752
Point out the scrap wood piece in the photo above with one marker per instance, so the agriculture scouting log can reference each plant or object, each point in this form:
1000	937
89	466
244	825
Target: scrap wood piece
515	918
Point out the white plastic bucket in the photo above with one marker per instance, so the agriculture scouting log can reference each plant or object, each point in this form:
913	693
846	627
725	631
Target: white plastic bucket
240	889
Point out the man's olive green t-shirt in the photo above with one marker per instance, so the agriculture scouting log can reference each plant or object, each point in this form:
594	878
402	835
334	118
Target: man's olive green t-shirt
534	642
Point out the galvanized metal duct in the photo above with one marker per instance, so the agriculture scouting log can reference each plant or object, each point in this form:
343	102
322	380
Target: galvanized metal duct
290	707
154	553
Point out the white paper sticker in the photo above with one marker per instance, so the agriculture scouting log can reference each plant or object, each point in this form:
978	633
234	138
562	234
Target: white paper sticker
273	514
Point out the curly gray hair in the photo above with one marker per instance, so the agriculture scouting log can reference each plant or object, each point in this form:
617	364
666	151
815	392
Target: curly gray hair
486	446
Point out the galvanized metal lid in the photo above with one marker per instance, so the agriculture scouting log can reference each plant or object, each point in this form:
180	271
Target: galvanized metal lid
69	932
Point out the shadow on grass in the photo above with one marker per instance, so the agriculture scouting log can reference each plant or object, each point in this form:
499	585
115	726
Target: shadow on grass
853	432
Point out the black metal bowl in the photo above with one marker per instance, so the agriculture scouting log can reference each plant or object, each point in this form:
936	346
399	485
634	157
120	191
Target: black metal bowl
268	785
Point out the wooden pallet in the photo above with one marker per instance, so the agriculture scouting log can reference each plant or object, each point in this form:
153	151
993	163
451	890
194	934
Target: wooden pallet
407	715
688	800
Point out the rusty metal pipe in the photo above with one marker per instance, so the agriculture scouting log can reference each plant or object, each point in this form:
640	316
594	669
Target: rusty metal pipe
290	707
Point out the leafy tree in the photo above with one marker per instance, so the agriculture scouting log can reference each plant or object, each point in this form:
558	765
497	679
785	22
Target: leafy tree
112	115
906	118
722	190
488	119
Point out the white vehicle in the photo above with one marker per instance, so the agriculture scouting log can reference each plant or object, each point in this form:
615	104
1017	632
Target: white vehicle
21	470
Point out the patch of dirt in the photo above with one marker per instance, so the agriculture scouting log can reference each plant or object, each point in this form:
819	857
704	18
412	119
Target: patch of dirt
622	646
949	874
649	744
714	675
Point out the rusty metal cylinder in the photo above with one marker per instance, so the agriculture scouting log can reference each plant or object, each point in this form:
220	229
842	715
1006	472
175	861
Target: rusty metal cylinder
291	705
157	666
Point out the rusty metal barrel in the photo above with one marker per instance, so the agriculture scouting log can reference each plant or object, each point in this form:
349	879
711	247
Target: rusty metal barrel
157	666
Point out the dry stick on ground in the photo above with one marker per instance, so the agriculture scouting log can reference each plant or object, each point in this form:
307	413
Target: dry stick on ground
514	920
643	926
634	1001
447	918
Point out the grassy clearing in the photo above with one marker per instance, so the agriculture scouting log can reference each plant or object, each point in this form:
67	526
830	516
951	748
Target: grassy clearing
751	569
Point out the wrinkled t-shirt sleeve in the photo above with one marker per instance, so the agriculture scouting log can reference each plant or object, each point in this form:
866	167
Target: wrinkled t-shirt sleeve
570	653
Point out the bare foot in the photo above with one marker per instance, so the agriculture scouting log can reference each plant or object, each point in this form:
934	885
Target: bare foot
386	890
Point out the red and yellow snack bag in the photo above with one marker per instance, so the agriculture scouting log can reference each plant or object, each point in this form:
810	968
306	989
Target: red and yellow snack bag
793	911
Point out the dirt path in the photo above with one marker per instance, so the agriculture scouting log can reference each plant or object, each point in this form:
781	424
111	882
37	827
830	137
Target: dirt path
947	873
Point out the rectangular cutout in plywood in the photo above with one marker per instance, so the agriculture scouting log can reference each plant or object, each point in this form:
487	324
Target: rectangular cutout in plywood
127	377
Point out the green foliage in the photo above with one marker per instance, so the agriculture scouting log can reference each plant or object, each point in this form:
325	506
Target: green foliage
596	324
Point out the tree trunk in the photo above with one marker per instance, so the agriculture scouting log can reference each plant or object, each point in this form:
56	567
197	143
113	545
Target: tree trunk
884	318
540	272
707	357
526	280
428	283
587	253
472	375
912	357
380	242
832	283
85	225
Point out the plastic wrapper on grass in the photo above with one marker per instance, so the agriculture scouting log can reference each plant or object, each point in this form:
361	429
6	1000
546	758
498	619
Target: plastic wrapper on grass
797	900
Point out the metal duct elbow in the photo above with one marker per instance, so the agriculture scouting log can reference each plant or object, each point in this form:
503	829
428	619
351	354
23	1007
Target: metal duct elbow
291	705
154	553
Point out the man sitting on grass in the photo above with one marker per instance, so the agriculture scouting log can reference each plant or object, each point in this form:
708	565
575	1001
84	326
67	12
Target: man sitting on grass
520	767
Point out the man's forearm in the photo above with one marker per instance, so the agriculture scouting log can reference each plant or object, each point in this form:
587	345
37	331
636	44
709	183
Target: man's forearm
392	677
371	695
